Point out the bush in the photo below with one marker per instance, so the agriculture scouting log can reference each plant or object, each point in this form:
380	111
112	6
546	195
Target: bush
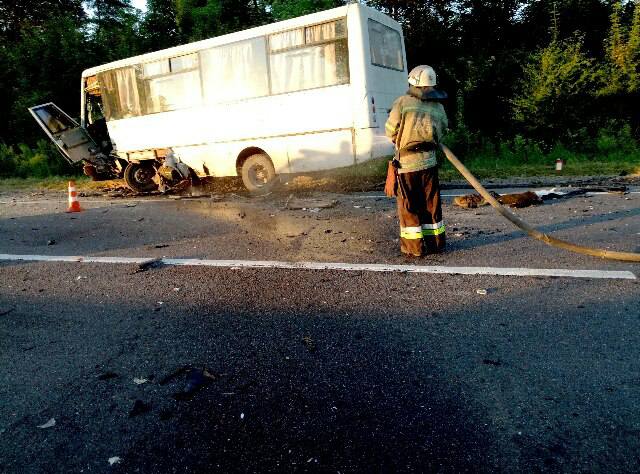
22	161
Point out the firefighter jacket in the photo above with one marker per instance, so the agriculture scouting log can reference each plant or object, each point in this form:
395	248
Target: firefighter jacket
417	122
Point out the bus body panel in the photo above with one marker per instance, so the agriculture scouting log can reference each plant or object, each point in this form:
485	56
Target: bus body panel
308	130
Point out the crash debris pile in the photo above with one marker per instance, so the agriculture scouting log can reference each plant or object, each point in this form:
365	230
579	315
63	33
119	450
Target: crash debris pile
532	198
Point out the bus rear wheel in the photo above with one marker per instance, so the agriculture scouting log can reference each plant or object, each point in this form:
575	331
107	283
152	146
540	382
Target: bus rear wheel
258	173
139	177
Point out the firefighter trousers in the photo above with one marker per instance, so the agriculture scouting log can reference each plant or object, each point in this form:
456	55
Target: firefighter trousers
419	210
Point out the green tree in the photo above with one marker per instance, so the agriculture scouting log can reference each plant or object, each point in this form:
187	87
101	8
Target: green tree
200	19
44	65
555	95
589	18
284	9
633	50
113	32
159	28
622	46
16	15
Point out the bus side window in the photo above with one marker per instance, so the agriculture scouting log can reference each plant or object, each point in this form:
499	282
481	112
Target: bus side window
121	93
235	71
310	57
172	84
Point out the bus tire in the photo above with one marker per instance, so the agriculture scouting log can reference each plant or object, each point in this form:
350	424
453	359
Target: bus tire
258	173
139	177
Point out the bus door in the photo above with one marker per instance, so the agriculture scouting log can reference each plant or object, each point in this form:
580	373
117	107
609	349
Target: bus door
72	140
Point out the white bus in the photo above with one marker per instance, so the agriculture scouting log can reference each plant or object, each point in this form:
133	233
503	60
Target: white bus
307	94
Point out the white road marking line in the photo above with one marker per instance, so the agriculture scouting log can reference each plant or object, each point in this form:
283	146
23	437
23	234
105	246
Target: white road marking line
357	267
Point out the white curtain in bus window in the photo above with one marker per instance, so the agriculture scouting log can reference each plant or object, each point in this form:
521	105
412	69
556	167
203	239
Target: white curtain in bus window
286	40
174	91
155	68
121	94
386	46
309	68
235	71
182	63
326	31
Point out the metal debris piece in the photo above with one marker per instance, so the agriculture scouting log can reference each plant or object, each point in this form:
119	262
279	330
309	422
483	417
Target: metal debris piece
140	380
481	291
114	460
48	424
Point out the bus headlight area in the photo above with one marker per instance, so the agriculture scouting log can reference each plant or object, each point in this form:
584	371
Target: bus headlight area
307	94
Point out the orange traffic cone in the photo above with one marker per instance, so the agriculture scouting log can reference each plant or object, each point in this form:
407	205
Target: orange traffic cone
74	205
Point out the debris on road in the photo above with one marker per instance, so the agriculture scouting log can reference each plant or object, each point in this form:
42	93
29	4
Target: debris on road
481	291
519	200
48	424
472	201
4	312
107	376
495	363
196	379
114	460
311	346
139	407
51	242
566	192
140	380
309	204
146	265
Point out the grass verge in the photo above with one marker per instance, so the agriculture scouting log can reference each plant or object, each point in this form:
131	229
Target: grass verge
369	175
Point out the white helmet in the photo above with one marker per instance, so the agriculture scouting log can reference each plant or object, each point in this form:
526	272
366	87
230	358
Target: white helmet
422	76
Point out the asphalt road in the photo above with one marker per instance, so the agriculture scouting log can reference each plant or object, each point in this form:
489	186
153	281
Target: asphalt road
273	370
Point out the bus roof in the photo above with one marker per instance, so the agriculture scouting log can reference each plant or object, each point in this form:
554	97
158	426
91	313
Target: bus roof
292	23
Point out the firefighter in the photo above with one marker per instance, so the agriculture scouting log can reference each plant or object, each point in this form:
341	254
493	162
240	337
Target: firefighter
416	125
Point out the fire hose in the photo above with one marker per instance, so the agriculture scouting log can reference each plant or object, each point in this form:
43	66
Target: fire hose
531	231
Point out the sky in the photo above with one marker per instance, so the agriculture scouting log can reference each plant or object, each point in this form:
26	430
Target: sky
140	4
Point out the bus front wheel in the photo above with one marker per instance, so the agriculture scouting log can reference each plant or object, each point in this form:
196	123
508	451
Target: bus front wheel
139	177
258	173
